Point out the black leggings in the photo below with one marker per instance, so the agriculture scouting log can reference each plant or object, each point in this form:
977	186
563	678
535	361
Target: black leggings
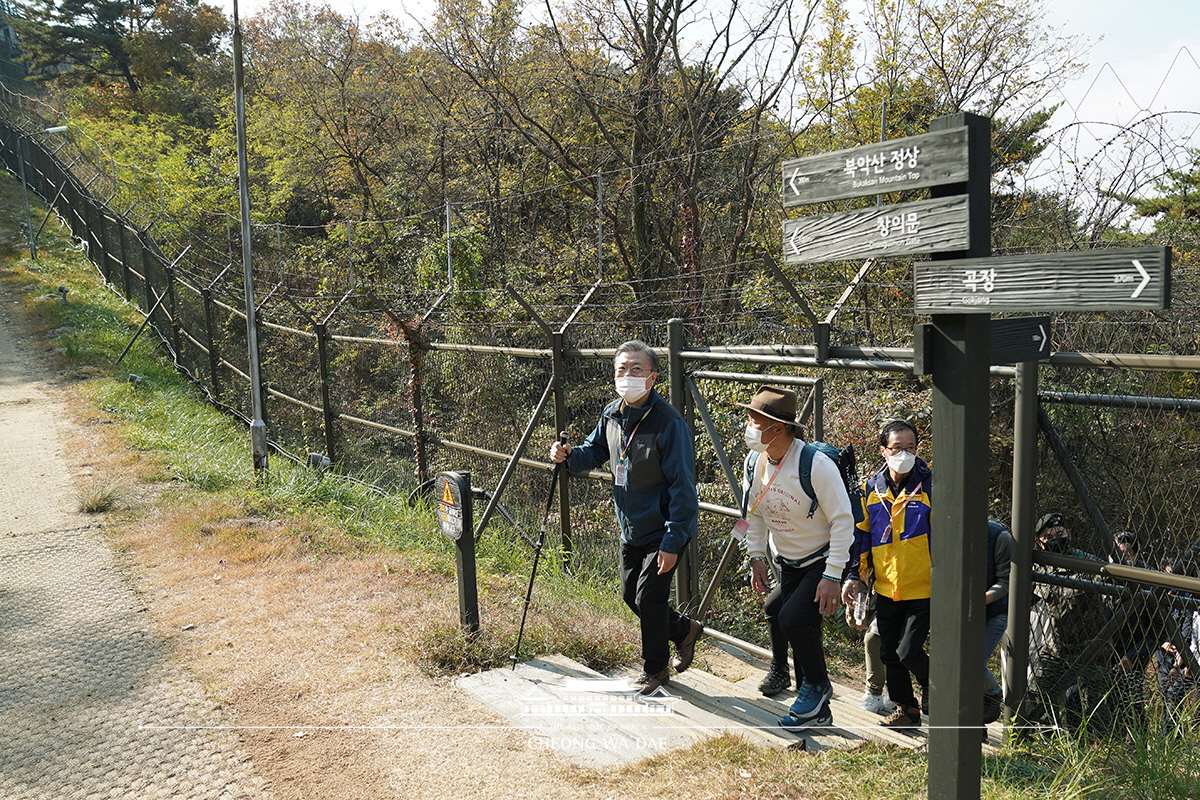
794	618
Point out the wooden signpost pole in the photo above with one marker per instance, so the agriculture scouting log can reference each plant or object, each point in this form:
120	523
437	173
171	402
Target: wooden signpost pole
958	345
960	287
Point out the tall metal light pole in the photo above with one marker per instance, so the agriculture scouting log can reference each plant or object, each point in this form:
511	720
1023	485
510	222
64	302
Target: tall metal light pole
24	188
258	427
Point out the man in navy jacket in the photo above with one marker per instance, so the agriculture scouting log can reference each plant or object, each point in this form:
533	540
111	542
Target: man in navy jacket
648	446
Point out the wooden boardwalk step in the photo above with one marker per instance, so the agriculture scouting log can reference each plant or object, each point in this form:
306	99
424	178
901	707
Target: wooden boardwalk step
596	720
570	709
851	722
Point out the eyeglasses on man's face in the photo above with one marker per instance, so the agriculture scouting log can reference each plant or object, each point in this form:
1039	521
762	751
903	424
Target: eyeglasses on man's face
893	449
633	368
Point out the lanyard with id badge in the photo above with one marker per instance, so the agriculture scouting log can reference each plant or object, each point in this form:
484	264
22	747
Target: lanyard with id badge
740	527
621	470
897	511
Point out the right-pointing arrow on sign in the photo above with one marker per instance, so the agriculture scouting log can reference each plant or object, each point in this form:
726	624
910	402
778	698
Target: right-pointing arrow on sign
1145	279
1076	280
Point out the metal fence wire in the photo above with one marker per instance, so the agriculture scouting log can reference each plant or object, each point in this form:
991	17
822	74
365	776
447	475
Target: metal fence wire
397	383
1109	655
1106	651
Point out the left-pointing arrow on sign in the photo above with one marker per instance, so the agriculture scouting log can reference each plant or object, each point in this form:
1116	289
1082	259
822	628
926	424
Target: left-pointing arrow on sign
793	240
792	181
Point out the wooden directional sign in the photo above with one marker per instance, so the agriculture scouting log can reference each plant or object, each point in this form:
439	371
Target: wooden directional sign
915	162
939	225
1018	339
1080	280
1010	341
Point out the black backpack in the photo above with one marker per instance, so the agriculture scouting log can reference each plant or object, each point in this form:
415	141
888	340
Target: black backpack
847	464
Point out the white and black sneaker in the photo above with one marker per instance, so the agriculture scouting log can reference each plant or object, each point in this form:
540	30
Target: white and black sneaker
876	703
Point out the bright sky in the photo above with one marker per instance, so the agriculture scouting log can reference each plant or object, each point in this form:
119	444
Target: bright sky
1145	53
1145	56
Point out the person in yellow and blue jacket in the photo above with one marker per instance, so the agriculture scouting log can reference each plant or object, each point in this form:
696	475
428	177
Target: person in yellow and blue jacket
892	545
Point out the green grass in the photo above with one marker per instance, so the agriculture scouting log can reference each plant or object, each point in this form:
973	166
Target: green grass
98	498
1156	758
168	423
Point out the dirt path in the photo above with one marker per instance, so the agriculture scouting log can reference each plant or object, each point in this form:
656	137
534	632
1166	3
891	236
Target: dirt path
303	662
92	702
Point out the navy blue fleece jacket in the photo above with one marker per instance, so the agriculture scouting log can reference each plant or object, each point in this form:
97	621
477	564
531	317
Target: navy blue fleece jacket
659	505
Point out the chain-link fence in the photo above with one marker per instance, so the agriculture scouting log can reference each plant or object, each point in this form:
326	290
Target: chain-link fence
1122	479
1107	654
396	383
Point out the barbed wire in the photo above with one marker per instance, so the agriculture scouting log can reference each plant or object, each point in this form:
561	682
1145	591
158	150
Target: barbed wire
1130	161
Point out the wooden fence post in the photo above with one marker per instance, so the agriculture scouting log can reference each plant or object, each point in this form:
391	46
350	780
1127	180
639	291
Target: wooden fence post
145	262
125	282
687	575
416	364
326	401
169	276
214	356
1020	593
558	370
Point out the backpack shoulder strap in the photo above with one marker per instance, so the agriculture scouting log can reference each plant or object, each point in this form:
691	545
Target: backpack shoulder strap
748	480
806	458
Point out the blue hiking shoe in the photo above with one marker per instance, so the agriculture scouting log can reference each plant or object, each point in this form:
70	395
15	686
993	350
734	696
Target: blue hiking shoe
811	700
802	691
822	717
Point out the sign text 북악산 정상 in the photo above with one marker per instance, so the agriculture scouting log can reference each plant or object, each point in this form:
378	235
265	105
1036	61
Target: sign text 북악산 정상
914	162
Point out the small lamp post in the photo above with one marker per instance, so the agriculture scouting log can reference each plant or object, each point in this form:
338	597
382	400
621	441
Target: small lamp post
24	187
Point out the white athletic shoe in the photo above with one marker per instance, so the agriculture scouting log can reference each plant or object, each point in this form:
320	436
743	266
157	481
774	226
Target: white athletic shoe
878	703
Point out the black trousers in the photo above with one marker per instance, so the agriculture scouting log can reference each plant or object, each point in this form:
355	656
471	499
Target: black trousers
648	595
794	619
903	631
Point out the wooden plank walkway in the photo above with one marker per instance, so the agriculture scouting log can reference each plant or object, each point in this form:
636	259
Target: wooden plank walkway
595	720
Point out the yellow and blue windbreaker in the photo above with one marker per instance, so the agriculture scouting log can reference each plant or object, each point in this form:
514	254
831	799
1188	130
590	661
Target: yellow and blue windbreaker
893	537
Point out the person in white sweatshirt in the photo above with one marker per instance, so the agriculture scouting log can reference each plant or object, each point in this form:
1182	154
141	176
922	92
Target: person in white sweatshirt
811	546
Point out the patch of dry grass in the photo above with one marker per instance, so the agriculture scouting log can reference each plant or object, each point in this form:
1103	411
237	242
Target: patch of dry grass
728	767
98	497
599	641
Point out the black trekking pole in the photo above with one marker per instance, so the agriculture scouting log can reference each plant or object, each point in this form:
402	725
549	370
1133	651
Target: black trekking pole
537	549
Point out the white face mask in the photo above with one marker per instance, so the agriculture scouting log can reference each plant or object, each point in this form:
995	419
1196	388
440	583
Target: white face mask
901	463
631	388
755	441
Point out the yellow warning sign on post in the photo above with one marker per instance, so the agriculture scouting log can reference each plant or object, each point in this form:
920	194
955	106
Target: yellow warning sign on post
454	518
454	504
